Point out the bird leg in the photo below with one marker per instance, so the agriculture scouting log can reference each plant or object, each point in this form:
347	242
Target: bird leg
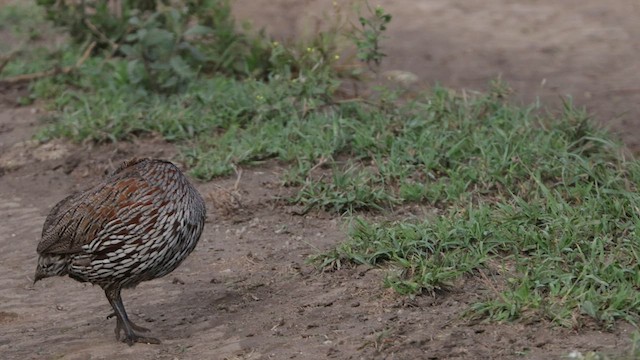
123	323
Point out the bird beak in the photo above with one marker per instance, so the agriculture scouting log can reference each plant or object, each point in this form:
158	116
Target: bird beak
38	276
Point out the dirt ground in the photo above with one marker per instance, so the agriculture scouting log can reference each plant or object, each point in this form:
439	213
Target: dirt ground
247	292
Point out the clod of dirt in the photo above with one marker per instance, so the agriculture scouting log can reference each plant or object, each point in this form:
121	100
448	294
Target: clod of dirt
403	78
228	203
6	317
71	163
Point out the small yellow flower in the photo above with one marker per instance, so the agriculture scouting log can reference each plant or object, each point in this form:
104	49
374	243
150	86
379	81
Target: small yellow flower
309	49
336	57
275	43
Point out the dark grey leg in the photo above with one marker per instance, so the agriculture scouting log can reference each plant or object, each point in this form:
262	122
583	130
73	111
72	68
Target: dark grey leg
130	335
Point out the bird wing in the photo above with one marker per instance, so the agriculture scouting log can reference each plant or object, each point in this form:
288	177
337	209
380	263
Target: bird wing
76	220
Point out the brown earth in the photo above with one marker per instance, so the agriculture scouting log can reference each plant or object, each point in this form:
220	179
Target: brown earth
247	292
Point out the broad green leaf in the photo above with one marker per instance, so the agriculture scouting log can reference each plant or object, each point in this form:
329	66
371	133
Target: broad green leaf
181	67
198	30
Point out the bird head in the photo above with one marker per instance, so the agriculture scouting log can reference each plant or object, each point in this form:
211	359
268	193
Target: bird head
50	265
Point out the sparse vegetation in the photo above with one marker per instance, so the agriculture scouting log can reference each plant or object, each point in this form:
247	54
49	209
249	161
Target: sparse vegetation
367	37
540	208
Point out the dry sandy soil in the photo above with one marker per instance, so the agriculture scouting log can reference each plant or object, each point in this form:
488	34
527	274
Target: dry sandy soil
247	292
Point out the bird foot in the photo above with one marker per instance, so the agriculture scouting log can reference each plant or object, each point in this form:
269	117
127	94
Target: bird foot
123	324
133	337
119	327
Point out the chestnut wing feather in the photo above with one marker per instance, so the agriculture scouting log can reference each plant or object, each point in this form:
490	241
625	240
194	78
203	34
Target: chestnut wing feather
76	220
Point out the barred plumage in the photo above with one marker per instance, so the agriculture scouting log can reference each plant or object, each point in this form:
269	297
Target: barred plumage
138	224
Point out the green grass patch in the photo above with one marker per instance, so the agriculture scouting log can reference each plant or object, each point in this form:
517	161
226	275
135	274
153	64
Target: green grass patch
25	50
543	210
21	19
